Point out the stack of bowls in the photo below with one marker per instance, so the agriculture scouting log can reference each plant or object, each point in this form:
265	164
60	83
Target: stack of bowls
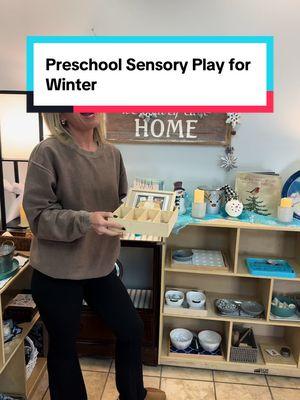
181	338
209	340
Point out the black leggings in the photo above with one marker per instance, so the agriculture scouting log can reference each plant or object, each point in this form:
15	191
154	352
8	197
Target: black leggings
60	303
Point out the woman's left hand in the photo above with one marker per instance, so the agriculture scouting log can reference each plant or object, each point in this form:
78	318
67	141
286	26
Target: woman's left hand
101	225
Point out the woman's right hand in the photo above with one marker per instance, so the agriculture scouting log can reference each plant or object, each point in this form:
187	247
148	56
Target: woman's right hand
101	225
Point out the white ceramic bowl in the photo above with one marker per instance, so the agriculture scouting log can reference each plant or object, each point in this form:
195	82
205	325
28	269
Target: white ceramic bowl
181	338
174	298
196	299
209	340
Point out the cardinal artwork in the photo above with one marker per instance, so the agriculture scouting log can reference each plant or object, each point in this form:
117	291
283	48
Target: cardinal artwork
260	193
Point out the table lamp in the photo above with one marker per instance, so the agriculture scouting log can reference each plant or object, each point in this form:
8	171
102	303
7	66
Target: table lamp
20	132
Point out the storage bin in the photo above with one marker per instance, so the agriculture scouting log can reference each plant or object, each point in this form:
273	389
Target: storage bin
245	354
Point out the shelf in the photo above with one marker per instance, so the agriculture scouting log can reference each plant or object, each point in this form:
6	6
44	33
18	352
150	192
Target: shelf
238	241
195	269
184	360
260	365
14	277
227	223
243	270
284	323
213	315
36	375
11	347
141	238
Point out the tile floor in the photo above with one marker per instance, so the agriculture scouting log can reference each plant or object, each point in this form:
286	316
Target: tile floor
184	383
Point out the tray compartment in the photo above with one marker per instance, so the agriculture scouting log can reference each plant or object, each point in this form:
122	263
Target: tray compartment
196	325
136	214
208	238
122	211
268	336
269	244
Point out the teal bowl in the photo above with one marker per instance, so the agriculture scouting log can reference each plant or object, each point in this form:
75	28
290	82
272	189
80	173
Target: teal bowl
284	312
7	250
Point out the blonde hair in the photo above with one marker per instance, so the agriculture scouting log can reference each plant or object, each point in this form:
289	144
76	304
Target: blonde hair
57	129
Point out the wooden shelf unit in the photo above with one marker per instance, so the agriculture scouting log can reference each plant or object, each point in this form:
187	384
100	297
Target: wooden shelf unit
238	241
12	354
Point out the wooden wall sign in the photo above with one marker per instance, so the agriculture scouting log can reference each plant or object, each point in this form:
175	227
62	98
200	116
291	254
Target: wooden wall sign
193	128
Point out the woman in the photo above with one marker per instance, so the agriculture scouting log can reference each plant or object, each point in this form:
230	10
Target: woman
74	182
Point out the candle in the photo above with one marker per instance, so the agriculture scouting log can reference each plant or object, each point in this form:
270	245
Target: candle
199	196
285	210
23	218
286	202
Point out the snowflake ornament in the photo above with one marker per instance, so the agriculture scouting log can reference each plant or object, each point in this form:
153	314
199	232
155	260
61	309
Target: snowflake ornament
229	160
147	116
233	119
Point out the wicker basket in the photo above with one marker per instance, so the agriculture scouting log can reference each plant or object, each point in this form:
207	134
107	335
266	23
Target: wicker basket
33	354
245	354
21	241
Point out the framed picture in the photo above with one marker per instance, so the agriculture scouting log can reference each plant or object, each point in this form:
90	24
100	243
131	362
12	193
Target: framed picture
154	201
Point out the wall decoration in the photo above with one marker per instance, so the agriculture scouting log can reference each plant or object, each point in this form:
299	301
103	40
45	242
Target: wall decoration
259	192
291	189
229	160
233	119
185	128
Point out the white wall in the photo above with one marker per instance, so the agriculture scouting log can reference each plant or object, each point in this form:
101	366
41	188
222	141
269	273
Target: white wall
263	142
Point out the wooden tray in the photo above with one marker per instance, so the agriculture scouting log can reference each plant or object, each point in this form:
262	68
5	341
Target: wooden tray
185	311
137	218
205	356
279	360
175	264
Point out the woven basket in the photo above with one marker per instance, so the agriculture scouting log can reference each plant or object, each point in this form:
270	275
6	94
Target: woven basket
245	354
21	242
33	356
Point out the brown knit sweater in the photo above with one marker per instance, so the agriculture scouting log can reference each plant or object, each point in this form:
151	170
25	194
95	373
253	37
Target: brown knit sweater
64	184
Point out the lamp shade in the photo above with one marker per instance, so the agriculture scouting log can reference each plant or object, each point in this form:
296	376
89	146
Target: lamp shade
19	130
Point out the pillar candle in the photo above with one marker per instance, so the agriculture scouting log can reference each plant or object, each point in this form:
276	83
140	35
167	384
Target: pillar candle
199	196
286	202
